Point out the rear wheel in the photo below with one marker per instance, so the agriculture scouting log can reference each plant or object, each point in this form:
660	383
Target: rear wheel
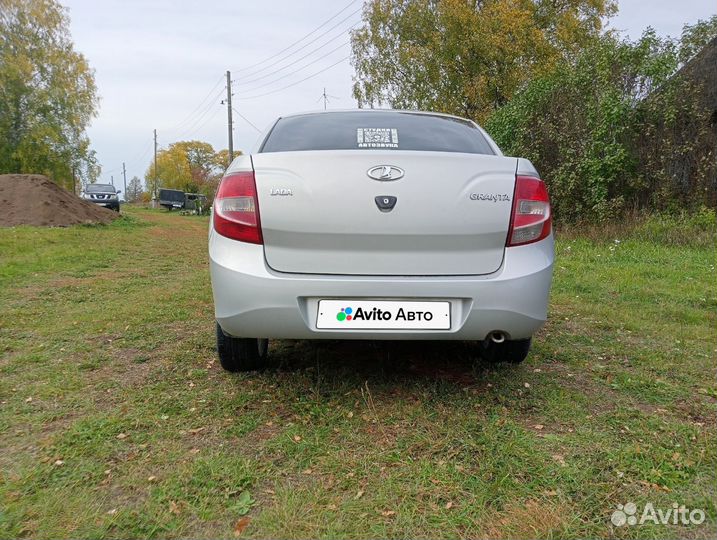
510	351
241	354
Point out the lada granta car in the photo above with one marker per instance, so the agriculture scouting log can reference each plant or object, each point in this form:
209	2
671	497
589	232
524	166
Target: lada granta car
379	225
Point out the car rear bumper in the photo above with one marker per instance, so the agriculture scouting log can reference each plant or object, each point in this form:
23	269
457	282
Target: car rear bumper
251	300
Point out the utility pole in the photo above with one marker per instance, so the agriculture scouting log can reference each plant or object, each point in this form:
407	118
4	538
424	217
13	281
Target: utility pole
112	180
124	175
154	189
229	116
326	97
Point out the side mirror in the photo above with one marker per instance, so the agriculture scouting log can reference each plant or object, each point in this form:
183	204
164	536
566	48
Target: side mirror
119	191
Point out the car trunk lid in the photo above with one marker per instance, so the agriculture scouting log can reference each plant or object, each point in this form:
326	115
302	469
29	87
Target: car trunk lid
320	213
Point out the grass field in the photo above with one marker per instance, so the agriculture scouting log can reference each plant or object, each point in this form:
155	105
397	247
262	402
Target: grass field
116	420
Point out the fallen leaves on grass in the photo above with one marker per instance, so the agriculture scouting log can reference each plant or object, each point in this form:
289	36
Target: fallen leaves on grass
448	505
240	525
388	513
359	494
652	485
121	436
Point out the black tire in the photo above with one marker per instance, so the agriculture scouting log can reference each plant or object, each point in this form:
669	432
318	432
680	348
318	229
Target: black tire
509	351
241	354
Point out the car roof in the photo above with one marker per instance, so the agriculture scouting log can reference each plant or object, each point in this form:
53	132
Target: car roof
340	111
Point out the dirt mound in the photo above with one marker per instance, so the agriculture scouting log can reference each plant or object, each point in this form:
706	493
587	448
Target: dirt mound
32	199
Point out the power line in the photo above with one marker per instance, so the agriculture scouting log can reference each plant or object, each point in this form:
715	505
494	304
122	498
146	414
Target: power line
207	121
284	76
297	82
201	104
212	102
246	120
299	40
141	156
306	45
294	62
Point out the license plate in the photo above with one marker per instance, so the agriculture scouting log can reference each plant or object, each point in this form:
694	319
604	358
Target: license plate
348	314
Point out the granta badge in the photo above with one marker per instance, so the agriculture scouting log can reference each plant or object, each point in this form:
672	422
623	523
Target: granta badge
494	197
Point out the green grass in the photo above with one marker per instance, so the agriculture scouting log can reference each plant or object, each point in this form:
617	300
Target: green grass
116	420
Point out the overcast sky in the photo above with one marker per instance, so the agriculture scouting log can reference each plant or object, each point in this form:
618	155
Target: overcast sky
161	64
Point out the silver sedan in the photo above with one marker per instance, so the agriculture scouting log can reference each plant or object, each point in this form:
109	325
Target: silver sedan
379	224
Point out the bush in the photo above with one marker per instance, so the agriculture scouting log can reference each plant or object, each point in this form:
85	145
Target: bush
615	130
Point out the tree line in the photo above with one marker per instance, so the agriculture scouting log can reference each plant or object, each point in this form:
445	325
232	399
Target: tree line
612	124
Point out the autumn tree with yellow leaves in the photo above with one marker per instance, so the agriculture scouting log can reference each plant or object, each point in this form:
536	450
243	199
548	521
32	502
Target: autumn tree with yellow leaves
47	94
466	57
191	166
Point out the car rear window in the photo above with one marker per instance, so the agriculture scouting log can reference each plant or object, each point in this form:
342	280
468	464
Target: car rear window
374	130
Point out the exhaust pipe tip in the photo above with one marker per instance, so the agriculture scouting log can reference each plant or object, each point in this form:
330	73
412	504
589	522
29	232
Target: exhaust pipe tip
497	337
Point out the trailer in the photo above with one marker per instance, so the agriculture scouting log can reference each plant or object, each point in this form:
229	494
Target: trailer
171	198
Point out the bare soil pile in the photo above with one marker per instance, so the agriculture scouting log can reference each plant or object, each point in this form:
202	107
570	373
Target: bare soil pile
32	199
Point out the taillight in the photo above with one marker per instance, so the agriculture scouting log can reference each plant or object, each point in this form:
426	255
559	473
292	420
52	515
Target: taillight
531	218
236	208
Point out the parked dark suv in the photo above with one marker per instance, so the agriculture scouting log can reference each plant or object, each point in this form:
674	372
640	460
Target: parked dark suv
103	195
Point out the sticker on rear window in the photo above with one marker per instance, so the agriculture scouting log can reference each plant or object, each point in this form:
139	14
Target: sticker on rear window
377	137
